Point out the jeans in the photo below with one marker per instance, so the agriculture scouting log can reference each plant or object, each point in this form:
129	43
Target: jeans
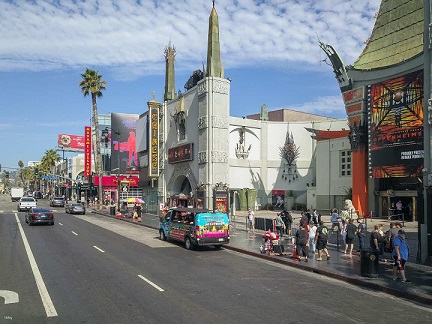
279	230
361	242
312	246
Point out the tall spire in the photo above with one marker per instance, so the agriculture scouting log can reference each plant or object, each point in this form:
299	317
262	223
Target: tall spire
170	89
213	50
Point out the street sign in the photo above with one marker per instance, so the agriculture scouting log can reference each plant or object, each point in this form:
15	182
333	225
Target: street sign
124	187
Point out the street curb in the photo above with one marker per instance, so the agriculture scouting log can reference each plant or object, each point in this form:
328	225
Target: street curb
355	281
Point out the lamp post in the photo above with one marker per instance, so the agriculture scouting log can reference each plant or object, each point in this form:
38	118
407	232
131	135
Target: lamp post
118	168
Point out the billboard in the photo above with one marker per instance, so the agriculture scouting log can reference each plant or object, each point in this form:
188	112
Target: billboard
154	142
396	127
87	151
123	143
71	142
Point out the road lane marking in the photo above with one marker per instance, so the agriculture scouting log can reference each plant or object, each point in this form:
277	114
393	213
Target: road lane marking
98	249
60	224
10	297
43	292
151	283
74	233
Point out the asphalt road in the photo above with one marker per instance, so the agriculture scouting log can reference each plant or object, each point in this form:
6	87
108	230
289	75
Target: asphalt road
99	270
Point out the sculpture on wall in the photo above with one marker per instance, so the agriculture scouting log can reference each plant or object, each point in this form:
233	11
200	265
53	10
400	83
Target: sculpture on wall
289	152
357	137
241	151
196	76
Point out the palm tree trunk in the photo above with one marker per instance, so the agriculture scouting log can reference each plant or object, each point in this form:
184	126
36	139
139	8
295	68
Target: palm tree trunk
96	149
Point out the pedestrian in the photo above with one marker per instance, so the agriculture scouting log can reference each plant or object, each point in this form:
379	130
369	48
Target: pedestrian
351	230
335	219
321	238
301	242
361	232
279	225
315	217
139	210
288	224
251	220
303	219
399	208
283	215
344	215
375	239
400	255
312	234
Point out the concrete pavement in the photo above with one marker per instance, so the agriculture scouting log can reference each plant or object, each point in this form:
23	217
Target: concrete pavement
340	266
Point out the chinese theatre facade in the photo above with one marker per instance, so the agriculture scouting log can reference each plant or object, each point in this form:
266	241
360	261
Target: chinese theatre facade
383	92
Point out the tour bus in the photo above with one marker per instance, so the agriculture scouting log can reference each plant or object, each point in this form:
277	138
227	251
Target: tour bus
195	227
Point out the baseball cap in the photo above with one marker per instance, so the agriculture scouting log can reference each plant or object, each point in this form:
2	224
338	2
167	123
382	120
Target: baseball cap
401	231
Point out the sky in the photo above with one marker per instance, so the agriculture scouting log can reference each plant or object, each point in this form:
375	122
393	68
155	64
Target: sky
269	48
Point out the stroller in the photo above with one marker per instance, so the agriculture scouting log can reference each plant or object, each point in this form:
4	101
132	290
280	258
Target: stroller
271	243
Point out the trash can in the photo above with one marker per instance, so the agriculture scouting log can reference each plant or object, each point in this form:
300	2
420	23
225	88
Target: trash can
369	263
112	210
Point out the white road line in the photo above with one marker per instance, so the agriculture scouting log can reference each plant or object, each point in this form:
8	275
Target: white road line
60	224
98	249
43	292
74	233
151	283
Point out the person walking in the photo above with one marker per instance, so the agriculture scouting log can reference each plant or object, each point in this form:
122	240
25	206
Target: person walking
312	234
279	225
351	230
335	219
361	232
375	238
301	242
400	255
321	238
251	220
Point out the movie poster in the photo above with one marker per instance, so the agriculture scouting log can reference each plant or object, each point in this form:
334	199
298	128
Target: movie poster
396	127
123	143
221	201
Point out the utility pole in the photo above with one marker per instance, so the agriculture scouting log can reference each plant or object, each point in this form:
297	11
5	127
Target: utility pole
425	230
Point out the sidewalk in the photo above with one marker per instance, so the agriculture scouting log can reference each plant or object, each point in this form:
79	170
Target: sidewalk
340	266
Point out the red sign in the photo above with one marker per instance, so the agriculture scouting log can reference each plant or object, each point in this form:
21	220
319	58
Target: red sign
180	153
71	142
111	181
87	151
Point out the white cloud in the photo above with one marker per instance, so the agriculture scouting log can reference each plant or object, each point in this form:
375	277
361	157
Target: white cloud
126	34
325	106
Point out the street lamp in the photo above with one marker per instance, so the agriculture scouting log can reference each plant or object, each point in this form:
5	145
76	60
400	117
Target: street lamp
118	167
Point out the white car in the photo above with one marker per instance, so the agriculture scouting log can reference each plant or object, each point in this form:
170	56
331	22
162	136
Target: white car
25	203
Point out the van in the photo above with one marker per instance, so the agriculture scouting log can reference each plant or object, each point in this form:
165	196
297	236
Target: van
195	227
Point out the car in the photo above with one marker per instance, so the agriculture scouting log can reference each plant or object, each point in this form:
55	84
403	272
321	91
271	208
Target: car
195	227
25	203
75	208
37	195
57	202
38	215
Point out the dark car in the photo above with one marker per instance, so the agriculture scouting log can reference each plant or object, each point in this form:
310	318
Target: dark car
37	195
57	202
75	208
37	215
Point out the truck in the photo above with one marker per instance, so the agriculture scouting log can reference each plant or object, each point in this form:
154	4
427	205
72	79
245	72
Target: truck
25	203
16	193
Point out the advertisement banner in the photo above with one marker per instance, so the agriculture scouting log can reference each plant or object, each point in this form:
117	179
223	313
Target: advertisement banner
123	143
154	142
221	201
396	123
74	143
180	153
87	151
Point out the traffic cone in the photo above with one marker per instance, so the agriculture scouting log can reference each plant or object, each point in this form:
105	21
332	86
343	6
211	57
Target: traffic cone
295	255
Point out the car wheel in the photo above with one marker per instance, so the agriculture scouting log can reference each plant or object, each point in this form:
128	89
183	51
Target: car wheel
162	235
218	247
30	224
52	223
188	243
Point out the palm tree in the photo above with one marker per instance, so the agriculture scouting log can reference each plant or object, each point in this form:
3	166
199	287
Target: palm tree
92	85
21	173
49	162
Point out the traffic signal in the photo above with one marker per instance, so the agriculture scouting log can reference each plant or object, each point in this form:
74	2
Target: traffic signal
36	171
79	186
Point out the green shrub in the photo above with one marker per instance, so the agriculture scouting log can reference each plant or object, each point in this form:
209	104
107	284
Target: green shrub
298	206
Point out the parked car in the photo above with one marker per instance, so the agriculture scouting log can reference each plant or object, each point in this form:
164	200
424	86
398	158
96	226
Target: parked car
195	227
37	215
57	202
25	203
74	208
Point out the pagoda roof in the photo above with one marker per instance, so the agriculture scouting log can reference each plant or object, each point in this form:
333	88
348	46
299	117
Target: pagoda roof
396	37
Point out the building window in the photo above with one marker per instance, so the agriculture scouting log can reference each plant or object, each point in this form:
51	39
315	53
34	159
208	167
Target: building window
345	163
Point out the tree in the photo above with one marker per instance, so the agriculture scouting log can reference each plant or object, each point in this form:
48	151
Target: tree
48	163
92	85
